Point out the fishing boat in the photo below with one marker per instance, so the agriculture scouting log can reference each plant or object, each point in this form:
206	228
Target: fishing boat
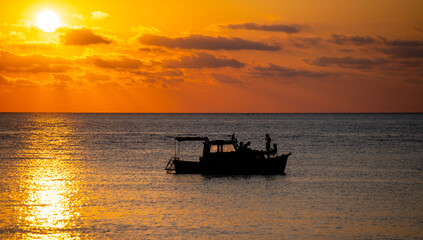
227	157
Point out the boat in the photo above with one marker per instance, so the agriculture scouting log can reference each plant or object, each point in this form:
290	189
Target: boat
227	157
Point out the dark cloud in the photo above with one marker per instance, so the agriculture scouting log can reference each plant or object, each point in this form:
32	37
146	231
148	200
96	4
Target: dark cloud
403	52
226	79
402	43
346	50
152	50
410	63
82	37
203	60
305	42
402	48
10	62
270	28
205	42
347	62
394	48
356	40
166	73
118	64
172	73
366	40
272	70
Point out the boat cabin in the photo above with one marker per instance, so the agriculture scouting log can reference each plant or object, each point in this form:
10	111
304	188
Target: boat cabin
219	146
211	148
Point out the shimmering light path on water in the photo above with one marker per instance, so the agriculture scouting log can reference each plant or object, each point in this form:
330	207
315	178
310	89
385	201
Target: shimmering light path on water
79	176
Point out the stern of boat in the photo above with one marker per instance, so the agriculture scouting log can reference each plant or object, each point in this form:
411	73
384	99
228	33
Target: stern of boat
170	167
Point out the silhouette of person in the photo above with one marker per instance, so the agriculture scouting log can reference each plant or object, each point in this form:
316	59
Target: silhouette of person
268	140
233	139
244	147
274	150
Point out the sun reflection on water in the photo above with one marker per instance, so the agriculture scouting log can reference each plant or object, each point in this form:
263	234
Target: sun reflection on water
49	184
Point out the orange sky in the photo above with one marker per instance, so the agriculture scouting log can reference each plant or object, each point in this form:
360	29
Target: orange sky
220	56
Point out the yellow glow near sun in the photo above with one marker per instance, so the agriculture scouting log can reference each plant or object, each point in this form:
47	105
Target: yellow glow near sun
48	21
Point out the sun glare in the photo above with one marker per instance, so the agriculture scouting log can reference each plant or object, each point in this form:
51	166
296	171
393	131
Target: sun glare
48	21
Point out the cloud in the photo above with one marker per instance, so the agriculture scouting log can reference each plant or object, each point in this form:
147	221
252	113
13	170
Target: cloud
152	50
19	82
356	40
4	81
346	50
206	42
305	42
120	63
366	40
273	70
226	79
10	62
172	73
410	63
172	80
82	37
402	48
394	48
347	62
203	60
61	81
62	77
169	76
403	52
402	43
269	28
96	77
97	15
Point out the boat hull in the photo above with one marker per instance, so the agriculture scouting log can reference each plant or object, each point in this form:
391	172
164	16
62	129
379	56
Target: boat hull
274	165
186	167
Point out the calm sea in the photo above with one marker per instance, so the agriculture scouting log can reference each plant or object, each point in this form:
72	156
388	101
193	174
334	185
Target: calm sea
101	176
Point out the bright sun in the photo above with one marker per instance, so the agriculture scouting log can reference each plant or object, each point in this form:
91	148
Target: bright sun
48	21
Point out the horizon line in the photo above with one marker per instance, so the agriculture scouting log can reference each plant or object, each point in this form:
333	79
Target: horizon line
65	112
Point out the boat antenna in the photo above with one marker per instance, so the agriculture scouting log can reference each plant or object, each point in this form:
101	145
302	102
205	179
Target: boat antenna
175	148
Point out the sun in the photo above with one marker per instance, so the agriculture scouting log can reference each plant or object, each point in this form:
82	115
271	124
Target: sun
48	21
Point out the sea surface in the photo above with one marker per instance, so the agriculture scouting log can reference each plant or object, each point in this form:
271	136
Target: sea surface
101	176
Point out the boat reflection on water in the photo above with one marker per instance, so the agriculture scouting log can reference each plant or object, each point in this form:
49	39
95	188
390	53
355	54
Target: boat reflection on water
46	193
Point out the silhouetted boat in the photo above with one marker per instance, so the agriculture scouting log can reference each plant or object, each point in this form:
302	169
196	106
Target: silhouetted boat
227	157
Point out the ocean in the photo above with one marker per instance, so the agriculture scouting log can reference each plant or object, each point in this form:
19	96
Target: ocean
102	176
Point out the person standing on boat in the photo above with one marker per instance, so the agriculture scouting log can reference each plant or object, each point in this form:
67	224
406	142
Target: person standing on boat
268	140
233	139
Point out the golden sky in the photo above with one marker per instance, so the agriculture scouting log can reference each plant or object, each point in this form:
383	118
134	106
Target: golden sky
215	56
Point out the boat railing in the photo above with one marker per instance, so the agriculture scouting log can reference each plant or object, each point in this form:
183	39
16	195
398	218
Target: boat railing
170	167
